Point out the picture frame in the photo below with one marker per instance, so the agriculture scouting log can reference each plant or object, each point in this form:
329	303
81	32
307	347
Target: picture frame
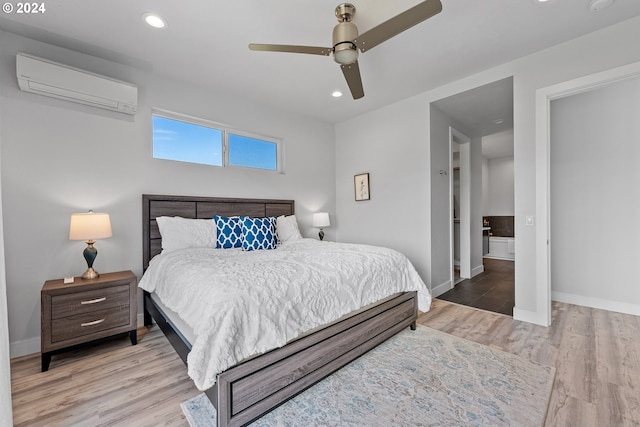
361	187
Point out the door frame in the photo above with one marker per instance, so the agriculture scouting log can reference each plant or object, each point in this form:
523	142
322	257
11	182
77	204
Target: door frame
544	96
464	142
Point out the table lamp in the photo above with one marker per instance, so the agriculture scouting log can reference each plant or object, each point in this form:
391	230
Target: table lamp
321	219
89	227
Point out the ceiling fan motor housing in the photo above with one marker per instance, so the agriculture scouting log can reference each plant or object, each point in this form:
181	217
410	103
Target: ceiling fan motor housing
344	50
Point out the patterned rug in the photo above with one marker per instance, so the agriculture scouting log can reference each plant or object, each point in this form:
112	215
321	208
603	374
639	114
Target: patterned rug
416	378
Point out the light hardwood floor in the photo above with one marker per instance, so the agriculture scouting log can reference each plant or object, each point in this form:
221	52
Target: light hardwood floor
596	354
112	384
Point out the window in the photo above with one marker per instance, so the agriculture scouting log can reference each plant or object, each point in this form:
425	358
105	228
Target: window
252	152
188	139
186	142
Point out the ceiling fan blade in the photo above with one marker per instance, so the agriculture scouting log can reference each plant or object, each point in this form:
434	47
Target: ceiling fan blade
352	75
397	24
313	50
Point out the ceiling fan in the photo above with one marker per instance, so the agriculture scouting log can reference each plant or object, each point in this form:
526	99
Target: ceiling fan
347	41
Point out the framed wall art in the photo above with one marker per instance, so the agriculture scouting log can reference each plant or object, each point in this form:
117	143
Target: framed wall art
361	186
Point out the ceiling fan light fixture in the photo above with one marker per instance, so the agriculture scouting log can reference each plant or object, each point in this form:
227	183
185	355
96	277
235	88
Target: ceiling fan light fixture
345	53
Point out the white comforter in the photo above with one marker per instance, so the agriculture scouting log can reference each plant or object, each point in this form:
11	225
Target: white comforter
244	303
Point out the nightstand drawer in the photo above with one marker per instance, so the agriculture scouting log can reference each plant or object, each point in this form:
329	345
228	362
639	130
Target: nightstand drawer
89	301
87	323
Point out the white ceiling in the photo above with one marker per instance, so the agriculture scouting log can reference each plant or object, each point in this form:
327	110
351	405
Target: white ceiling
485	111
206	43
498	145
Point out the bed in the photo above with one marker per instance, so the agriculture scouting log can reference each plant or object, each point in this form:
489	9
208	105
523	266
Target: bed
256	385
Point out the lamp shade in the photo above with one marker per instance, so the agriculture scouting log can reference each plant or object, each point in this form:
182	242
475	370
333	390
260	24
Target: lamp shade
321	219
89	226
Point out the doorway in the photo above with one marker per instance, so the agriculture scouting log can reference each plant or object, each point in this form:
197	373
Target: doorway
461	121
544	97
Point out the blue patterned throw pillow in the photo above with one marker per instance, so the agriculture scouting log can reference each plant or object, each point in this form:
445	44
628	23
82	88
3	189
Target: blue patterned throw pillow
258	233
229	231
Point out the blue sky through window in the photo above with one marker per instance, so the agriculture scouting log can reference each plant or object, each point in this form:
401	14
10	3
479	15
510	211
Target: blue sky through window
186	142
253	153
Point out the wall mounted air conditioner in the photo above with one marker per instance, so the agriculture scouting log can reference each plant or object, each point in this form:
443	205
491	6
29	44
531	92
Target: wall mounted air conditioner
50	78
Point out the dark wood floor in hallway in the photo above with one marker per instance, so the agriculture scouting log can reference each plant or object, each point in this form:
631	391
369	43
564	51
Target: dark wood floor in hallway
492	290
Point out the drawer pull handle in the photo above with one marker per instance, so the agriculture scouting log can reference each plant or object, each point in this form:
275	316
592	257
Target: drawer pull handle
93	301
95	322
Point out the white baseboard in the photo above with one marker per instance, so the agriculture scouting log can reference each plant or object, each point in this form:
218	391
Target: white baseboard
24	347
503	258
599	303
477	270
528	316
441	289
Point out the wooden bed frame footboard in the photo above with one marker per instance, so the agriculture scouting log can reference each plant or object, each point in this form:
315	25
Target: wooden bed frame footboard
254	387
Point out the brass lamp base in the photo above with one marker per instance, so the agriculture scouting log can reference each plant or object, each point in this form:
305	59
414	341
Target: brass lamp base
90	274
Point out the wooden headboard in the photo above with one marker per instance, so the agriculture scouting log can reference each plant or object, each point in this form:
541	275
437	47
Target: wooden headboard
199	207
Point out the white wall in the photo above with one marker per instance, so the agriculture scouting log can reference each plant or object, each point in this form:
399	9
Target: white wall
6	417
59	157
595	235
372	134
486	208
498	191
476	206
396	216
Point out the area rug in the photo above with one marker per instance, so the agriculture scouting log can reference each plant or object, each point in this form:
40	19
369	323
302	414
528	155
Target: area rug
416	378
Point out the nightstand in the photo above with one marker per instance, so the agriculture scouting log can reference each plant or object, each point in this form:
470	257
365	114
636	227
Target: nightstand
87	310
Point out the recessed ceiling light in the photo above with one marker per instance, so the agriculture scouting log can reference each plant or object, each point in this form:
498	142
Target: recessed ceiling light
336	94
498	121
596	5
154	20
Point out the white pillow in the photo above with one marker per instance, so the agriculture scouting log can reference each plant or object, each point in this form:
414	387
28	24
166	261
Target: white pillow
179	233
287	228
